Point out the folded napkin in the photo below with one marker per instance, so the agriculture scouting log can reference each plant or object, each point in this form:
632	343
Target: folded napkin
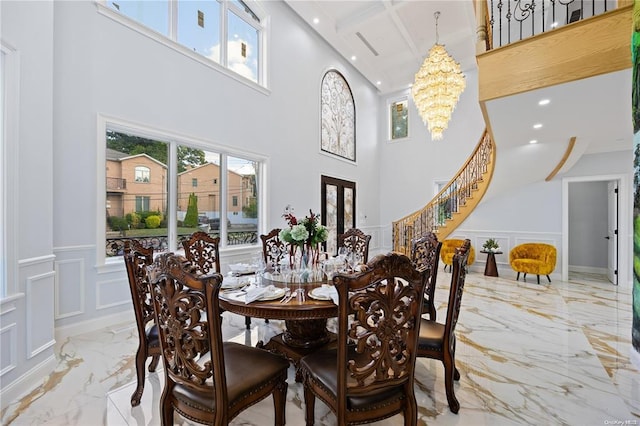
328	291
255	293
231	281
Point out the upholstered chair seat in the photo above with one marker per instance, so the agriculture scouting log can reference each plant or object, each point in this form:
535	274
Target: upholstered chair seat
533	258
449	249
368	374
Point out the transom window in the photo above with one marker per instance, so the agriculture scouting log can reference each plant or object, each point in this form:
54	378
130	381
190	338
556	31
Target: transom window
227	32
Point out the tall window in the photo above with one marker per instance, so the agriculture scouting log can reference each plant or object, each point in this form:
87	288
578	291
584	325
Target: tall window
228	206
227	32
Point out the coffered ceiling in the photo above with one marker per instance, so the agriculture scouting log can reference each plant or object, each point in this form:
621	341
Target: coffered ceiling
390	38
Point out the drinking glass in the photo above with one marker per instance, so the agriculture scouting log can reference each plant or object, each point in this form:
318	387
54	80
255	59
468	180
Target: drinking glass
261	267
343	253
354	260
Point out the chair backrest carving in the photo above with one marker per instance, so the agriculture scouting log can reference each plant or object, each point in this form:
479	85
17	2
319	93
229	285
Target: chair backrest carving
458	276
136	260
425	255
378	347
188	319
357	241
202	250
273	248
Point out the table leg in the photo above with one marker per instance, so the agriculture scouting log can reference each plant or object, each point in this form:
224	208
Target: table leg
300	338
490	268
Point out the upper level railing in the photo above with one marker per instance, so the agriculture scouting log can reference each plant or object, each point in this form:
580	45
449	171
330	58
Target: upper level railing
116	184
449	200
514	20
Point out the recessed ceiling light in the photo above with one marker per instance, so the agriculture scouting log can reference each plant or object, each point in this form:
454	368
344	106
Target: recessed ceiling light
544	102
353	58
537	125
316	21
532	141
378	82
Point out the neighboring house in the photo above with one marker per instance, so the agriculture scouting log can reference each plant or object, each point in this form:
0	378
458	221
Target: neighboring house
204	182
135	183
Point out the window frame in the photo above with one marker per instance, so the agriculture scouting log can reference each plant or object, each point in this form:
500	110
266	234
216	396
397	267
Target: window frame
145	172
390	105
171	41
10	108
173	140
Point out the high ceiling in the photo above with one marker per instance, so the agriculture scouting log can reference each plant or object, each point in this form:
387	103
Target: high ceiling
391	38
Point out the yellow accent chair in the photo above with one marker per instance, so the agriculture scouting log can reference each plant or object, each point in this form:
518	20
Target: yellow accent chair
533	258
449	249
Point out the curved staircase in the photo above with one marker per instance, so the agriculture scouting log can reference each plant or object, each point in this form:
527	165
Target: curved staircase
454	203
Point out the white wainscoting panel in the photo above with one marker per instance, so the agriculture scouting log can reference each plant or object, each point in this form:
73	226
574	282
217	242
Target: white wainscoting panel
70	288
110	293
40	308
8	347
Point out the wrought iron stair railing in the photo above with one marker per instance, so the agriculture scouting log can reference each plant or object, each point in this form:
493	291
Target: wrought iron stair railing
453	203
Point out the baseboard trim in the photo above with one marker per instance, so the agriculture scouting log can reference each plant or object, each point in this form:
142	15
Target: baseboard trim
588	269
27	382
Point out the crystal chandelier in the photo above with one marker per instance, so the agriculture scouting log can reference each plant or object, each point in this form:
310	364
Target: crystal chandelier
437	88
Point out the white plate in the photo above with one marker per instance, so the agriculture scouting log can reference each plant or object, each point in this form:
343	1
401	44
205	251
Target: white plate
272	295
319	293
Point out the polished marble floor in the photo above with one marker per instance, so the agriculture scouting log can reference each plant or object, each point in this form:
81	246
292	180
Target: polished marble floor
549	354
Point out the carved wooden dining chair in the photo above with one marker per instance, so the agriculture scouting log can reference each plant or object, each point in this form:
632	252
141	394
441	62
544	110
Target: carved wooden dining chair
136	260
425	253
357	241
438	340
202	250
273	248
207	380
369	374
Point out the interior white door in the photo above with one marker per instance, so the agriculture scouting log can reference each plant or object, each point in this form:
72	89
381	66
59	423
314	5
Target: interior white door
612	232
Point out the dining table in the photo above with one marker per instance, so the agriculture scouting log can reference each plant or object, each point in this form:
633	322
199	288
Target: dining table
305	314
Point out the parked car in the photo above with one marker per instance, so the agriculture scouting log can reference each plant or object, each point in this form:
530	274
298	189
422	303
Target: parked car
215	223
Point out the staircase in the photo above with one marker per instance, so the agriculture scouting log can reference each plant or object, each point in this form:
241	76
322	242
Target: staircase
454	203
591	47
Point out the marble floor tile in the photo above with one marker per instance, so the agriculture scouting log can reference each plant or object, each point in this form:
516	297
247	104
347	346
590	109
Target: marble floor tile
550	354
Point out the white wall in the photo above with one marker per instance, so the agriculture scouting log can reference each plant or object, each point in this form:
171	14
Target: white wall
115	71
409	167
26	315
79	65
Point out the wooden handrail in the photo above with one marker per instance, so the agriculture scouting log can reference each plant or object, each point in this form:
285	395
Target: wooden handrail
449	200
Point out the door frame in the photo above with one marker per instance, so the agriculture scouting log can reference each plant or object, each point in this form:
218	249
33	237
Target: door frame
340	184
624	224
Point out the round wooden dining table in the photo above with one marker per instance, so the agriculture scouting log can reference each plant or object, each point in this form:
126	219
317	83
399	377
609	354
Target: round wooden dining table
305	320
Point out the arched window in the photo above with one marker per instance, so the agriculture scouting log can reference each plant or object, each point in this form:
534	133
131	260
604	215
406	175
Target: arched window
142	174
338	126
